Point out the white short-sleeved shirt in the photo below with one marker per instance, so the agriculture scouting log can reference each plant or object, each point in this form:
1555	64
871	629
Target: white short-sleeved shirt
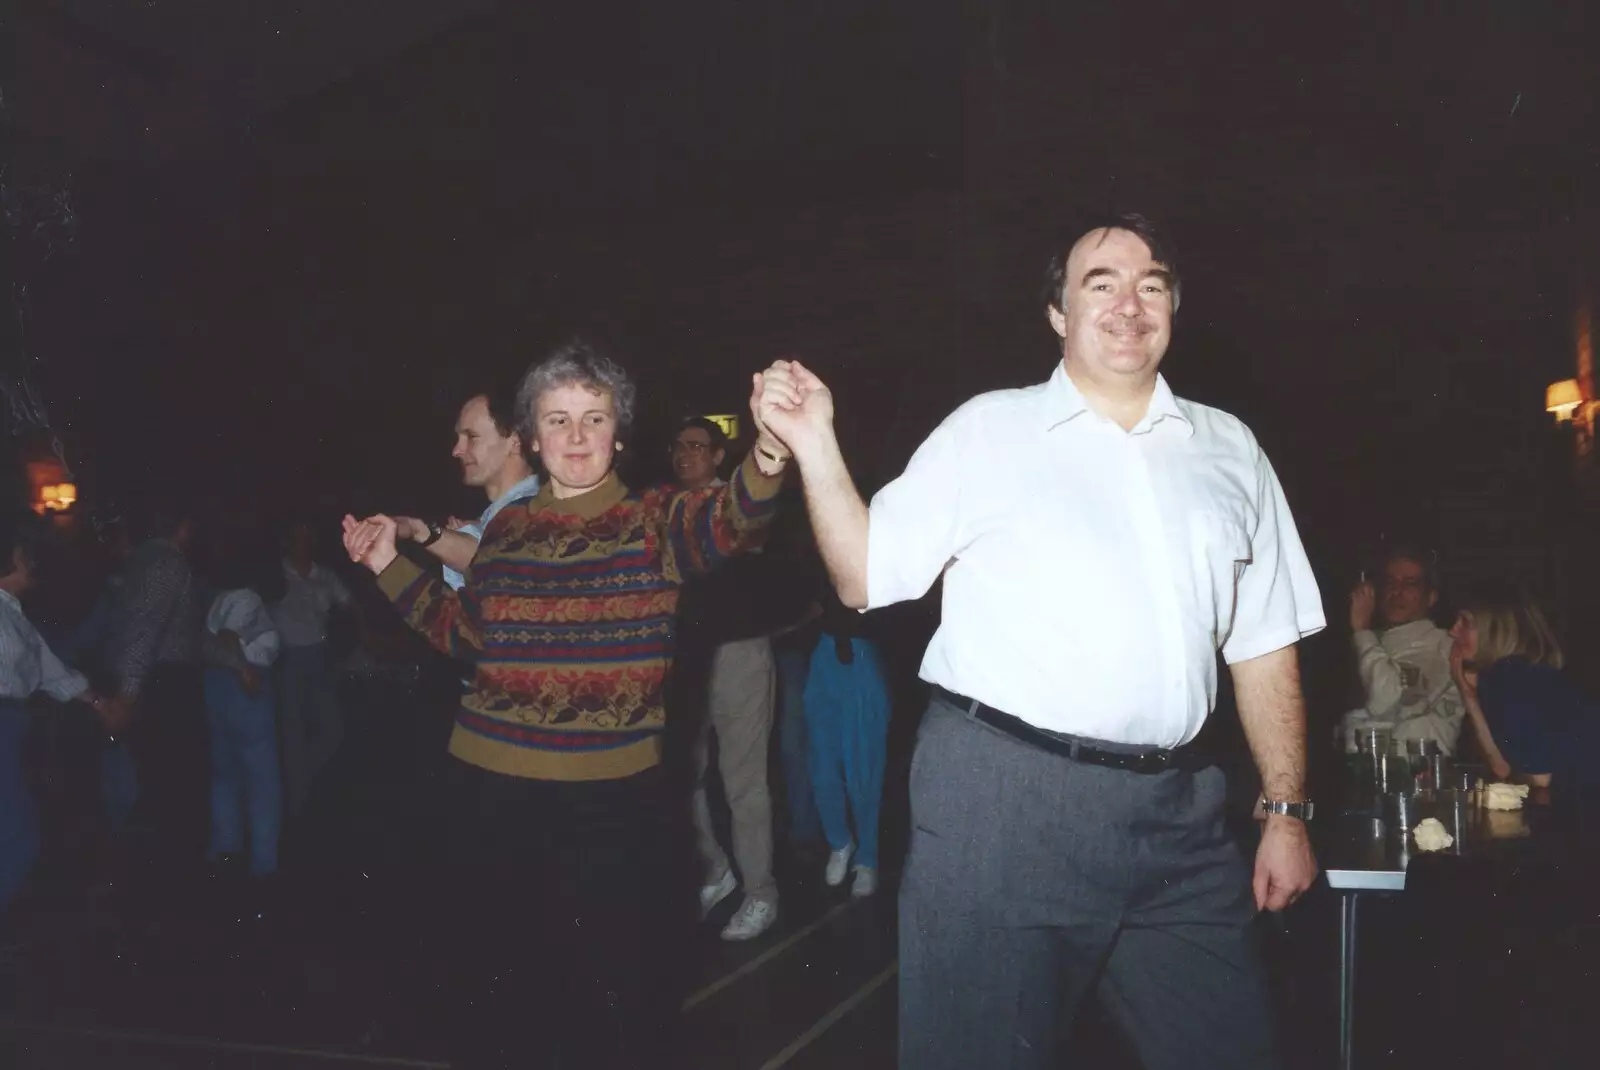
1091	574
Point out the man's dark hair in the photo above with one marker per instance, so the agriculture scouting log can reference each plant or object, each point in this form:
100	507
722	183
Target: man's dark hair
719	440
1161	251
1410	551
502	410
25	530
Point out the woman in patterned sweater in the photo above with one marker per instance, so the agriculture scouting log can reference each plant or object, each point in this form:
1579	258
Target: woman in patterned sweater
562	829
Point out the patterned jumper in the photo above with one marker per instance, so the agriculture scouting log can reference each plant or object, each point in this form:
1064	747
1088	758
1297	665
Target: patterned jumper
568	612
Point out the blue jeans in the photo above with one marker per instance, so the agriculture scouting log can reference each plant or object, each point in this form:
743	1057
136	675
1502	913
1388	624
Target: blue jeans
847	717
792	746
19	820
245	790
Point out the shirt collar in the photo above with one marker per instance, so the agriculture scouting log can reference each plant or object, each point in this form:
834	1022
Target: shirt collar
586	506
1064	402
526	487
11	600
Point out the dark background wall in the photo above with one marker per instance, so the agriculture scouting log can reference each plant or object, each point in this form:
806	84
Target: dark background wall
1382	217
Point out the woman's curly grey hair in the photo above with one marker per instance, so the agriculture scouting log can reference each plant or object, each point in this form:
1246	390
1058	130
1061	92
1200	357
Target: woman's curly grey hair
576	361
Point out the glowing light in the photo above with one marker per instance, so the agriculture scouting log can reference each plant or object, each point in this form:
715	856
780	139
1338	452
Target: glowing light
728	423
57	497
1563	398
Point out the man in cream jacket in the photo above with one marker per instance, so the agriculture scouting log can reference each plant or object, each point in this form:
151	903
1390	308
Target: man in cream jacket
1405	668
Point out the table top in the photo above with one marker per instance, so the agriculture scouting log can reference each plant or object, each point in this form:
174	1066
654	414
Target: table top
1361	853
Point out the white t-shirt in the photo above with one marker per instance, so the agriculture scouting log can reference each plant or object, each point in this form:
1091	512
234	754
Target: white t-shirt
244	613
1092	574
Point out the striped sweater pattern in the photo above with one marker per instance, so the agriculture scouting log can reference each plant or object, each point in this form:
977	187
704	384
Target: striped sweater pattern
568	612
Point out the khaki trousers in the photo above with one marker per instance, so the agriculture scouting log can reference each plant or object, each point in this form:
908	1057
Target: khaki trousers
742	687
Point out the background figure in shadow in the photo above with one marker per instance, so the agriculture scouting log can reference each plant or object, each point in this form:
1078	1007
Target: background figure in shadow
847	722
241	707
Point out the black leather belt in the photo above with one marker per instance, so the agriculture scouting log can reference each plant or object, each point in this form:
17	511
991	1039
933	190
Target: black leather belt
1151	760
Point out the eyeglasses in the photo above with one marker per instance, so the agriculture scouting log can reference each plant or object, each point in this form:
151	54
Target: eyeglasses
689	447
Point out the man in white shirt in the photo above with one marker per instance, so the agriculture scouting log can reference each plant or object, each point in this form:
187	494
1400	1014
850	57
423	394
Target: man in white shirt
1100	542
493	457
1405	668
27	665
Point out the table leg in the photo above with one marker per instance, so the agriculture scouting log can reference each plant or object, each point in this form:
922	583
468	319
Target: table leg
1347	976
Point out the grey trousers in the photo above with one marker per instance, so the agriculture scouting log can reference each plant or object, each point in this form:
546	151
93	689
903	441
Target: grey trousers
743	686
1034	881
311	722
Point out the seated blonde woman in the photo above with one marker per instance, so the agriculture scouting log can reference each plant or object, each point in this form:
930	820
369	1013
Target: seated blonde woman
1528	717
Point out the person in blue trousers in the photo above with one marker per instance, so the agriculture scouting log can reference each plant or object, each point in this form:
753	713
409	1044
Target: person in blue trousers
27	665
847	724
241	710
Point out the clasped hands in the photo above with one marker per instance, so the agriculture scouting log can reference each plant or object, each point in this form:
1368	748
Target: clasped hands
793	413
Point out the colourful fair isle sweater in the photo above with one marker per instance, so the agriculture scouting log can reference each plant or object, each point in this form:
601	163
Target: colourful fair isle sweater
568	612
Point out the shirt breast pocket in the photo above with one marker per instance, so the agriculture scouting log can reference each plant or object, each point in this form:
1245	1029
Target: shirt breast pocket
1220	546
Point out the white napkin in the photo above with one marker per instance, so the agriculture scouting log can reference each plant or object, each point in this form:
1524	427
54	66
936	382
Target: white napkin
1504	796
1431	836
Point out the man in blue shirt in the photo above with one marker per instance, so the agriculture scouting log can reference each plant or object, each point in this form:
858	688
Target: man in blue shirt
492	456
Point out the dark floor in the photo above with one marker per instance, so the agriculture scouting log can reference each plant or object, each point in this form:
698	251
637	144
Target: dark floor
340	974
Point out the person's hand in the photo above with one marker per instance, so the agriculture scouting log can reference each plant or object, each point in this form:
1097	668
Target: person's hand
409	527
1363	600
1285	866
371	542
116	713
231	639
1466	679
791	405
455	523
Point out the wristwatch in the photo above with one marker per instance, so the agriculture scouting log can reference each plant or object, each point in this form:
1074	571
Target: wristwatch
1304	809
435	533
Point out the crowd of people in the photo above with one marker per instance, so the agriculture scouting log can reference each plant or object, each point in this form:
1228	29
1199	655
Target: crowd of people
1100	542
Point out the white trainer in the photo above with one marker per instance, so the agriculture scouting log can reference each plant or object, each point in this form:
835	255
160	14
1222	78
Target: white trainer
754	917
712	894
838	865
866	882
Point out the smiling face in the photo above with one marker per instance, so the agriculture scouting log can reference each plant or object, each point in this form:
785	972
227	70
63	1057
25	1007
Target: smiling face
1116	318
480	446
694	458
576	437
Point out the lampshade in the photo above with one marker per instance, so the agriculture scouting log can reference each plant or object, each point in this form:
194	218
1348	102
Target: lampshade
1561	398
58	497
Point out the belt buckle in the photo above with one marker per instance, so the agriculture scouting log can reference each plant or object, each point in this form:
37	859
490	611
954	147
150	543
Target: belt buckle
1152	761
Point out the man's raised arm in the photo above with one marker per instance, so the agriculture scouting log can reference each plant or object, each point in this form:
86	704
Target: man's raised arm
798	409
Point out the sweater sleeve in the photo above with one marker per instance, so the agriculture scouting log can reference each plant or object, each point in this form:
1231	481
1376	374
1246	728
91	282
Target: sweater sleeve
707	526
431	608
1381	681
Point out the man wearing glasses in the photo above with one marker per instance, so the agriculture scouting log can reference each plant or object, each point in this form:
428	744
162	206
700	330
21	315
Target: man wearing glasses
1405	660
718	625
